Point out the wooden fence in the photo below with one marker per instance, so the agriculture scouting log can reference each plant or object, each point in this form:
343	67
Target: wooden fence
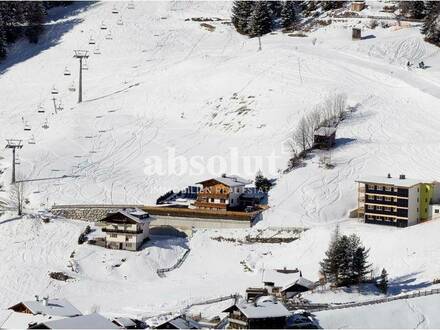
324	307
161	271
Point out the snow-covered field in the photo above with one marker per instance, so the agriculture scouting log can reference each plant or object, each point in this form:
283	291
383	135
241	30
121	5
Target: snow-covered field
164	82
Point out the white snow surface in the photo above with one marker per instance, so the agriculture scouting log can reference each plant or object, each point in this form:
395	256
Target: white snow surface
158	66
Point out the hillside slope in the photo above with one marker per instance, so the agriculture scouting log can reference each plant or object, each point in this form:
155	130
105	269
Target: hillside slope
164	82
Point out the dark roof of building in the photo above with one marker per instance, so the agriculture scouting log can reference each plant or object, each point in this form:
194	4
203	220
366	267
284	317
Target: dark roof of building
325	131
263	307
230	180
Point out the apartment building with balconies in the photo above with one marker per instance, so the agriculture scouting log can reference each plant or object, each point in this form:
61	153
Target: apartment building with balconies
399	202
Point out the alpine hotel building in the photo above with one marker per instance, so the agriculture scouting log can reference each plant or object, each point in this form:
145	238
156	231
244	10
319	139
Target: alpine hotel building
399	202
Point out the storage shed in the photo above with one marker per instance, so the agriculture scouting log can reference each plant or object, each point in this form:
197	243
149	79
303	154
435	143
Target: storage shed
324	138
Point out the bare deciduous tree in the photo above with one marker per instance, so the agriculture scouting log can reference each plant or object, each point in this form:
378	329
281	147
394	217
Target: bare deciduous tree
17	198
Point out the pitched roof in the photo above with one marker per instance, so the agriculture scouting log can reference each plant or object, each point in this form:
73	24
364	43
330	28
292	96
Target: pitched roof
325	131
263	307
229	180
180	322
54	307
124	322
91	321
302	282
134	215
406	183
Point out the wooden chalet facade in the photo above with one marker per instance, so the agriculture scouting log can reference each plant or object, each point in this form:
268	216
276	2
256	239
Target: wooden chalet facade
222	193
264	313
126	229
324	138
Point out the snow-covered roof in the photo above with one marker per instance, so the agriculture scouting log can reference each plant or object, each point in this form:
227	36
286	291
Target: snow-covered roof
134	214
91	321
280	279
13	320
263	307
124	322
229	180
180	322
302	282
325	131
54	307
406	183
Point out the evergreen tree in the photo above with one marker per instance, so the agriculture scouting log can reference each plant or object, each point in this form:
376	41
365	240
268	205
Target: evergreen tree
330	264
260	21
344	259
288	16
2	40
431	26
275	8
241	13
382	284
34	15
360	266
262	183
413	9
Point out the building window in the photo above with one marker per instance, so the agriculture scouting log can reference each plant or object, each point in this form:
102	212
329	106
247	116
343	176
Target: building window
388	188
128	245
222	200
114	235
395	189
379	208
436	211
379	187
370	207
378	198
387	209
212	200
388	199
370	217
371	186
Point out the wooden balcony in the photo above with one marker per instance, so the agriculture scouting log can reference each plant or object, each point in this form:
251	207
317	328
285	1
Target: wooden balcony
122	231
213	195
210	205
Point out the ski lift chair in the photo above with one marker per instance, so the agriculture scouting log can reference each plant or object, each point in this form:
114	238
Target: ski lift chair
66	71
120	21
115	10
85	65
40	109
45	125
97	51
72	87
130	5
92	41
103	26
54	91
31	140
27	127
109	35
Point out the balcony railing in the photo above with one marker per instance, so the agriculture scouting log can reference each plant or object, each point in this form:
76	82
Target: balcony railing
213	195
210	205
122	231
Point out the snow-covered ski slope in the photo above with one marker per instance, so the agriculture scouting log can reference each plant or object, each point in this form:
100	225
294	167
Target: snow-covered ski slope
158	68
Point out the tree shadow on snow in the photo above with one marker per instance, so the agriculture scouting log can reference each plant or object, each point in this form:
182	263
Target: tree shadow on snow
57	25
406	283
344	141
370	36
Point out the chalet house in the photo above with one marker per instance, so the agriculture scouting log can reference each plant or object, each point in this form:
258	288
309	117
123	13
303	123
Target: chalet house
324	138
222	193
91	321
265	313
399	202
300	285
29	313
179	322
126	229
357	5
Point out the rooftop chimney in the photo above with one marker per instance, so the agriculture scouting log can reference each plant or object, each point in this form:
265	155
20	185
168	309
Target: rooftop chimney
37	298
402	176
46	301
389	176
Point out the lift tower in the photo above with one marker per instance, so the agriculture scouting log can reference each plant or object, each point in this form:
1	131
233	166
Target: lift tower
80	54
13	144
